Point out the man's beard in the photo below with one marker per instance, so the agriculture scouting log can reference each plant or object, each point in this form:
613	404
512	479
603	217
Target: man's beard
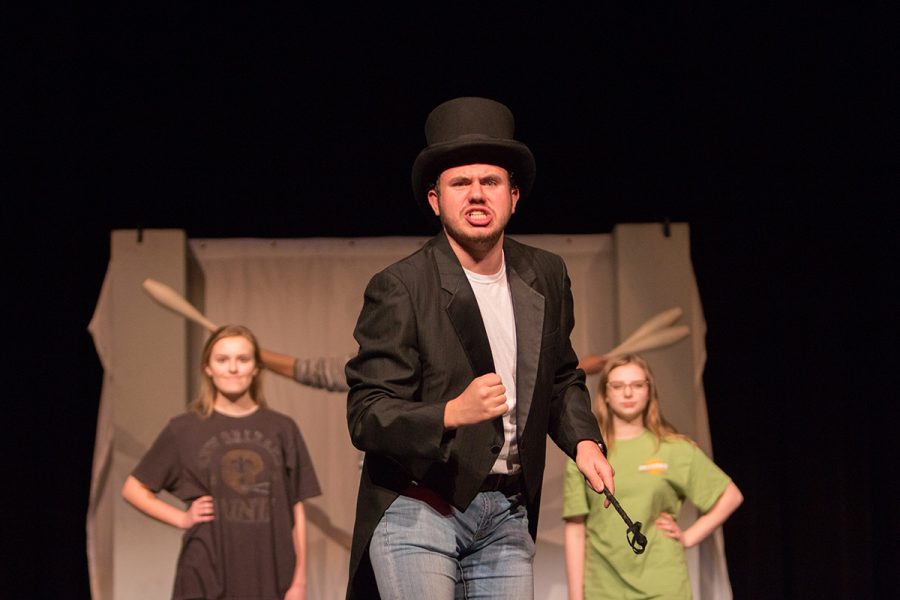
480	241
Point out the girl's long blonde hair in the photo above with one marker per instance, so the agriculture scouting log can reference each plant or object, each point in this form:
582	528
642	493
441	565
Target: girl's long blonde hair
652	418
206	399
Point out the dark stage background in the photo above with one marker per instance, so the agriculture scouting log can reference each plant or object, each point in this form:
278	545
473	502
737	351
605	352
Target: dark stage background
772	132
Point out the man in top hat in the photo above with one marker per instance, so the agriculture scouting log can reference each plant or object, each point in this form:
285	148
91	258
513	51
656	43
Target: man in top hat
464	367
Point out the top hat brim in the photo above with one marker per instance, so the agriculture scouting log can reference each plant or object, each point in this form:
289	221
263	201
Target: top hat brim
512	155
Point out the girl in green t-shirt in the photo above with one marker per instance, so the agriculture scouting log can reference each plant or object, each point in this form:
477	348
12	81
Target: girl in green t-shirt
656	470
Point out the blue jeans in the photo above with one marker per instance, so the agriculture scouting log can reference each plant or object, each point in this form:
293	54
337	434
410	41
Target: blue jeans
425	549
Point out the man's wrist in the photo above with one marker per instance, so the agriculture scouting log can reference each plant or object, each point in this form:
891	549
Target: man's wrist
449	416
598	443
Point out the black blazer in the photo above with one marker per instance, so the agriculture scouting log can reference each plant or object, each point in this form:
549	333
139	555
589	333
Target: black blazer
421	342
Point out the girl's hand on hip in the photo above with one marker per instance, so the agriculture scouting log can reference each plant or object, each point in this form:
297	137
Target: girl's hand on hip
669	527
201	510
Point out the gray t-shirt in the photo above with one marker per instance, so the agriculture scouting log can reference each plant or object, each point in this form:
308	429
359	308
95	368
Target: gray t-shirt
325	373
256	468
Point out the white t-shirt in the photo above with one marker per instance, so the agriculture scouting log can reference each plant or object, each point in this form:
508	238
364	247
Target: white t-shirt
495	304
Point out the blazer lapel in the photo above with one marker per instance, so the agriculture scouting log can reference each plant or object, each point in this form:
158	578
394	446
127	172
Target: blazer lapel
528	307
462	308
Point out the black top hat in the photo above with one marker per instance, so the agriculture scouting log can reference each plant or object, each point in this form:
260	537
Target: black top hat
464	131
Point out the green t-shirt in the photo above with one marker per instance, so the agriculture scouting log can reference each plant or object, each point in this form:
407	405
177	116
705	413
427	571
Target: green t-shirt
649	480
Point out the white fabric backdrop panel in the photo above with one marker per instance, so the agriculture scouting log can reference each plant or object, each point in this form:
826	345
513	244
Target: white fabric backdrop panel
302	297
654	273
143	351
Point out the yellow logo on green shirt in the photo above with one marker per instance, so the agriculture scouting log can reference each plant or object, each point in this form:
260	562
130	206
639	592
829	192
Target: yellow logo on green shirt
654	466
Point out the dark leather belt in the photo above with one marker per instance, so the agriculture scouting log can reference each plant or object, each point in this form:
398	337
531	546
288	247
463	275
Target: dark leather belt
501	482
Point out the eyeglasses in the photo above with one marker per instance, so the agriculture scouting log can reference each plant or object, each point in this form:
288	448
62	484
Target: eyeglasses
636	386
